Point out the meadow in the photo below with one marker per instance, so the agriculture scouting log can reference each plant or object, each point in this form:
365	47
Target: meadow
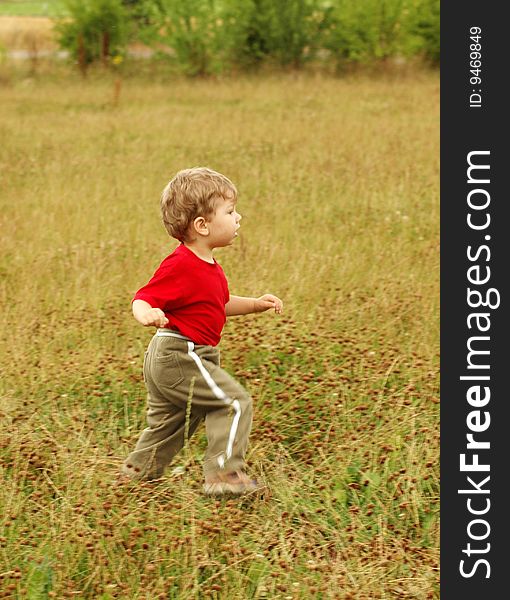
32	8
338	182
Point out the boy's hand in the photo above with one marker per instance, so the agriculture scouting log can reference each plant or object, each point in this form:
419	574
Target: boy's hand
266	302
154	316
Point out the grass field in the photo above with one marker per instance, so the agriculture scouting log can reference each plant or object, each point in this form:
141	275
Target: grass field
28	8
338	183
34	34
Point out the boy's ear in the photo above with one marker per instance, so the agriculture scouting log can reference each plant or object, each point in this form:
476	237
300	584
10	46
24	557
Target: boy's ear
200	226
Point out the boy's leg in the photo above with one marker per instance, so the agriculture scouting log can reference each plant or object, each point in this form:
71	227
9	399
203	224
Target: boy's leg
166	416
226	406
171	368
228	430
161	440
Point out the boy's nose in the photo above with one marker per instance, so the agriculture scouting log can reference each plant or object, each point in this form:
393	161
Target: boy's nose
239	217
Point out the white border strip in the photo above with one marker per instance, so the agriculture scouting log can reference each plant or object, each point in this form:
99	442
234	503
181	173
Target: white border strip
220	394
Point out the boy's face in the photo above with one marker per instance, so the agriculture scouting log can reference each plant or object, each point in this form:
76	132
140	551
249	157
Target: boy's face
223	225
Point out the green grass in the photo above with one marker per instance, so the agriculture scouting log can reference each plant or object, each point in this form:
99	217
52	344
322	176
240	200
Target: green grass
22	8
338	183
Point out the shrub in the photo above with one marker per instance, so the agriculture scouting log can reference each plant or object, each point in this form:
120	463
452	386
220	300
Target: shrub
205	36
190	30
95	29
245	32
426	25
292	30
362	32
286	31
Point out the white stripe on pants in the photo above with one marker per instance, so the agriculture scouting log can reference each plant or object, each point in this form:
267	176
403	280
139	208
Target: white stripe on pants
220	394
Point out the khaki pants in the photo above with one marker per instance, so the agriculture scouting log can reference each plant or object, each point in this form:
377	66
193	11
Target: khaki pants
171	366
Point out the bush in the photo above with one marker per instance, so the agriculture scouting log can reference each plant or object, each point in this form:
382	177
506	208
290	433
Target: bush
362	32
426	25
245	32
96	29
285	31
206	36
202	37
191	30
292	30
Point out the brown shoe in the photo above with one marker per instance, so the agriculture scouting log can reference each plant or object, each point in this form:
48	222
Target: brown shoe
235	482
126	477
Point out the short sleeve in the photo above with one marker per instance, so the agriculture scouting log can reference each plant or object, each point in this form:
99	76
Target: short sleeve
166	289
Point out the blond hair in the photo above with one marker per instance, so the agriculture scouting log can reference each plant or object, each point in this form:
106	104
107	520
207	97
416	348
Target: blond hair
190	194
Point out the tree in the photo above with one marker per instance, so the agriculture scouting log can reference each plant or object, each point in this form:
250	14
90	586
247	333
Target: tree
96	30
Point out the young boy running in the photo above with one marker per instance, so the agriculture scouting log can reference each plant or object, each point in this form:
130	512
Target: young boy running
188	300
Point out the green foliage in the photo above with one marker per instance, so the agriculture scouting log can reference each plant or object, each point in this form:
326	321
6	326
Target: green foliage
245	27
293	30
284	32
97	29
366	31
202	37
426	25
40	578
190	31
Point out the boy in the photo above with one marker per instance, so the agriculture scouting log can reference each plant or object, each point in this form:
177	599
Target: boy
188	300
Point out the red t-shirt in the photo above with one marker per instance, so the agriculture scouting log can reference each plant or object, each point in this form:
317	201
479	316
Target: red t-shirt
192	293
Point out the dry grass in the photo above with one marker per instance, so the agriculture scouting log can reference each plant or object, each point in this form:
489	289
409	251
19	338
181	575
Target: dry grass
339	189
27	33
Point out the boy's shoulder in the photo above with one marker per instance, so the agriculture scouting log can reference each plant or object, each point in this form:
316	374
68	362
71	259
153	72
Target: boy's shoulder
176	258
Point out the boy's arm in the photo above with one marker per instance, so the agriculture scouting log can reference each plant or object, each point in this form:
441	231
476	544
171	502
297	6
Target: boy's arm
240	305
146	315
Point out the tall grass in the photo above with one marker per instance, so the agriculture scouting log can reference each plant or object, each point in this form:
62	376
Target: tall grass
338	185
